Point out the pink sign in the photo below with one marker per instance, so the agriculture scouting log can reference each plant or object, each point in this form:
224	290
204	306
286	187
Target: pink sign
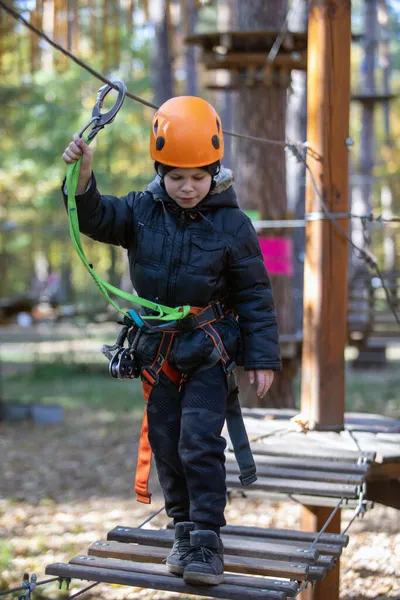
278	255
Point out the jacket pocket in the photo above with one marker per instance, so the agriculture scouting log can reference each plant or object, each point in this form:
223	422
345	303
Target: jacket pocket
229	330
149	246
146	349
190	350
206	253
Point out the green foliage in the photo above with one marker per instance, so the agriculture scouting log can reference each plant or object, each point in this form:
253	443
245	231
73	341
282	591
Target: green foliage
41	114
5	555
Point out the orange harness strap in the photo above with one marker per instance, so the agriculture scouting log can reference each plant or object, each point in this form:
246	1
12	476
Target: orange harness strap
150	379
144	453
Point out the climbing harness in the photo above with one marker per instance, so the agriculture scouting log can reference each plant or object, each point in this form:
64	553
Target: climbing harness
124	364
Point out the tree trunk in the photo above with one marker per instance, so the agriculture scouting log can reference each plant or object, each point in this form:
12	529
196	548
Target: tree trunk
162	68
261	177
362	201
191	51
224	99
296	129
386	61
389	237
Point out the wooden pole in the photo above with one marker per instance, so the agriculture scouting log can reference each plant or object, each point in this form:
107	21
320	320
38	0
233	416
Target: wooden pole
325	269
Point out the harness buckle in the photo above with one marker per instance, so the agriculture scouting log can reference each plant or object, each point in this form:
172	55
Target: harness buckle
217	309
149	376
229	367
247	479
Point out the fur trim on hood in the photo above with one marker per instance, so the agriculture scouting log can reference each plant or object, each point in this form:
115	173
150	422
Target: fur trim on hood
223	181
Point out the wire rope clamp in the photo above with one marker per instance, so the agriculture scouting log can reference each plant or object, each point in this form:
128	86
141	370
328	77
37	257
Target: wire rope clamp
67	581
99	119
28	585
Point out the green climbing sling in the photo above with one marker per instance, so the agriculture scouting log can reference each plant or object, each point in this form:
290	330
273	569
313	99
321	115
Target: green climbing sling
164	313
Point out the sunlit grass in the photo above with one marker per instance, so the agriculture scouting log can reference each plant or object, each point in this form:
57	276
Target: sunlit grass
74	386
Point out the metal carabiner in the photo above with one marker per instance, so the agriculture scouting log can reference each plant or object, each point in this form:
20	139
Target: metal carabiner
101	119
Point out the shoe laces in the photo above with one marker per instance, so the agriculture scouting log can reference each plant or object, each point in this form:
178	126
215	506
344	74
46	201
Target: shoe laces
183	546
199	553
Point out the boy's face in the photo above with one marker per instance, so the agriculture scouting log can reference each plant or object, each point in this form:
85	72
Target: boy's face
187	187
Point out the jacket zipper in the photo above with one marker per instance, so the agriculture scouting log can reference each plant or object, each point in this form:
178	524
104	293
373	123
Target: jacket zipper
175	258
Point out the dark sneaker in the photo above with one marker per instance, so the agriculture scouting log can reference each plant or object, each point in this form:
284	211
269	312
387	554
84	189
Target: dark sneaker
206	566
178	557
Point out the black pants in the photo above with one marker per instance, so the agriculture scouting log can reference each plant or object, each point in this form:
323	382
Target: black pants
185	437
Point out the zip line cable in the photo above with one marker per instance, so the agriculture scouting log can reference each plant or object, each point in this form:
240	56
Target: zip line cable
281	36
294	147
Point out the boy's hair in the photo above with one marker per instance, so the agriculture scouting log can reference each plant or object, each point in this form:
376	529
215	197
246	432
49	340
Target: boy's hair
162	170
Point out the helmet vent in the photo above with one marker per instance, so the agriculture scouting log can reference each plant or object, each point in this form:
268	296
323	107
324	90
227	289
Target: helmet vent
160	142
215	141
218	126
156	127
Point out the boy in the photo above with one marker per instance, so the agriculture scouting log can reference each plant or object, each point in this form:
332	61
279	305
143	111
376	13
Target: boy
188	242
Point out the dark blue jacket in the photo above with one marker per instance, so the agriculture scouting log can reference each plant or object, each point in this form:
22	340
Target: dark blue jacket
192	256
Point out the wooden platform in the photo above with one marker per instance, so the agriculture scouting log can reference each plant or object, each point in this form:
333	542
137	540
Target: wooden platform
316	469
259	563
319	467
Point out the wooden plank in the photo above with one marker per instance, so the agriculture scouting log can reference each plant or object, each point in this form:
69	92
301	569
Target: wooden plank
308	450
311	488
236	564
276	497
351	418
161	582
232	60
303	475
261	41
290	462
288	587
392	438
327	539
164	538
283	535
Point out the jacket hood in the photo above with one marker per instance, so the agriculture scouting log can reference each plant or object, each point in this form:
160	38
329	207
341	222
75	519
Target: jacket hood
223	195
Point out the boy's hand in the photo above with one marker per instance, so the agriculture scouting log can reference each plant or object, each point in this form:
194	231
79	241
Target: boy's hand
264	378
75	150
72	153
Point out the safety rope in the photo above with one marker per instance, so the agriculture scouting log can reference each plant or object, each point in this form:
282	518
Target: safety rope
318	216
281	36
325	525
24	586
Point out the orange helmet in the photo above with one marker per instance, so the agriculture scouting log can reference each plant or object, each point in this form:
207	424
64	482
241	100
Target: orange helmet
186	132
